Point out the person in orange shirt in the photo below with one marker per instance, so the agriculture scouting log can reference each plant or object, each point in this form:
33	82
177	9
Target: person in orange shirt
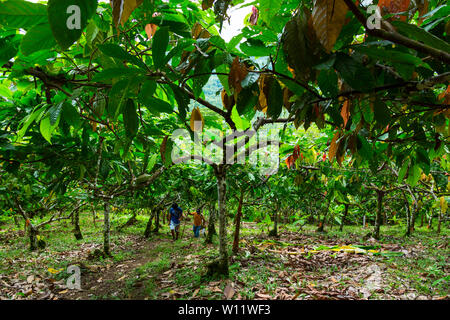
199	221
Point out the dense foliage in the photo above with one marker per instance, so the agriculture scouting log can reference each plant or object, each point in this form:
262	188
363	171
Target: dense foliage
87	114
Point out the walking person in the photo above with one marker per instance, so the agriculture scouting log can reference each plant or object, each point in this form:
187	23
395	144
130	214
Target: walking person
199	221
175	214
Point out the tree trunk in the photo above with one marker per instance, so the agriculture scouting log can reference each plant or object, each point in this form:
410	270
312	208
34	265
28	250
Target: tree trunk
274	231
221	266
94	214
364	221
238	223
211	223
430	221
106	231
156	230
413	220
380	195
148	228
344	217
16	221
439	221
408	219
32	233
76	225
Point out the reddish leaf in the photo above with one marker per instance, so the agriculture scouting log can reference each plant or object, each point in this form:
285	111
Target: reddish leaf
333	146
238	72
328	18
150	30
394	6
254	17
345	112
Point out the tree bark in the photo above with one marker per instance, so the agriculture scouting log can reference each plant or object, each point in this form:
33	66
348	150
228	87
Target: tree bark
148	228
156	230
238	223
221	266
76	225
94	214
211	225
106	231
439	221
32	233
274	231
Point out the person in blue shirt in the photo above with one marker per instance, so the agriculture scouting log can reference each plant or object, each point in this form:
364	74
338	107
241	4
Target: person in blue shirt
175	214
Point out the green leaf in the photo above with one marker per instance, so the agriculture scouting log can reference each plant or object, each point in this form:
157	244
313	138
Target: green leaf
22	14
254	49
354	73
420	34
328	82
381	112
268	9
182	100
241	124
114	73
130	119
70	115
54	113
152	162
118	95
46	126
246	100
391	56
115	51
159	47
364	148
37	38
5	92
403	170
367	112
423	160
68	18
275	100
28	120
414	175
157	105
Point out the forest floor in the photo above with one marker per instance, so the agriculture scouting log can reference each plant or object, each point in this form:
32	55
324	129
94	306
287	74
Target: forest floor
295	265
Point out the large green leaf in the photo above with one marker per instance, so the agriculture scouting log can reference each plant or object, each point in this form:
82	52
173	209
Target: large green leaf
22	14
159	47
354	73
241	123
391	55
420	34
116	51
68	18
50	122
268	9
157	105
37	38
274	100
182	100
130	119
